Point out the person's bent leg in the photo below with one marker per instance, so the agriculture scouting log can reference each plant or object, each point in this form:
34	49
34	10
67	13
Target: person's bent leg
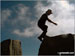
45	31
41	37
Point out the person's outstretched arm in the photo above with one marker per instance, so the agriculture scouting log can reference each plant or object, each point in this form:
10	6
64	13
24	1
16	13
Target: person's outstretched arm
52	22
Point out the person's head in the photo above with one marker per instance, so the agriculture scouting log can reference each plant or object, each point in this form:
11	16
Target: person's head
48	12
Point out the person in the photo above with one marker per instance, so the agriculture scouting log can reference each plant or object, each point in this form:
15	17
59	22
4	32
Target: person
41	24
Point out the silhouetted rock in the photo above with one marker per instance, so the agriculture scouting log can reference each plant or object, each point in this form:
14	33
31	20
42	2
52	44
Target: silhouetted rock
55	44
11	47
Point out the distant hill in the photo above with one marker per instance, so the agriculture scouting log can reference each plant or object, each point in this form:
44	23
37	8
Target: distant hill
54	45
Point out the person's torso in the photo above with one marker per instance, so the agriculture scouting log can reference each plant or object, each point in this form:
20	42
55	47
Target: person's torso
43	19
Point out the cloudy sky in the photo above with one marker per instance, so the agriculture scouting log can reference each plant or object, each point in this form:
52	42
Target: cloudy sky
19	21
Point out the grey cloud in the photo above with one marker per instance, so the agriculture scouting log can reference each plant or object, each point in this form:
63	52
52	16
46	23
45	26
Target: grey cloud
62	14
5	14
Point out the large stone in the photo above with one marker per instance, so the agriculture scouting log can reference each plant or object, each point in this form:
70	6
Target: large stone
56	44
11	47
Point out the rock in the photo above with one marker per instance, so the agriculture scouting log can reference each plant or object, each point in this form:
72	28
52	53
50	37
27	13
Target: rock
11	47
54	45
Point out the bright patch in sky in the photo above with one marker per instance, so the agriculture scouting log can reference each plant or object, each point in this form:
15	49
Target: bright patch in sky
62	14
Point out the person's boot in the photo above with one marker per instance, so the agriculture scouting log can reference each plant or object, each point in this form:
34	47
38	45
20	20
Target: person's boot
40	38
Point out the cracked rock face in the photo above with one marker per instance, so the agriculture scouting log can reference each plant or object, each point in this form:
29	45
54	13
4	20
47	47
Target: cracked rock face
11	47
54	45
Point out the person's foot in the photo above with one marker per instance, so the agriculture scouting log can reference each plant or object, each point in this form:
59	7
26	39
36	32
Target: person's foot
40	39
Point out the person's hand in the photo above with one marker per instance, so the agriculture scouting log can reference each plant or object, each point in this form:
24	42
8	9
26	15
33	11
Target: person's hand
55	23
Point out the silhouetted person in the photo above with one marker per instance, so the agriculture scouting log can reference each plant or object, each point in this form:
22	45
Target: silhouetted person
41	24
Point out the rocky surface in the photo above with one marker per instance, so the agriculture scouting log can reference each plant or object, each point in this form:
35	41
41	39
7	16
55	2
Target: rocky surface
11	47
54	45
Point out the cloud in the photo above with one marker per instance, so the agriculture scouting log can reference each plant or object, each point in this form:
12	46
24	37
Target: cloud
5	14
22	14
24	19
63	14
28	32
21	23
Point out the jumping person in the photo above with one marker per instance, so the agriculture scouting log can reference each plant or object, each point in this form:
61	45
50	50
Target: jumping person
41	24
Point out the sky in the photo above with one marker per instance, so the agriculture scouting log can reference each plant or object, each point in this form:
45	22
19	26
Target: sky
19	21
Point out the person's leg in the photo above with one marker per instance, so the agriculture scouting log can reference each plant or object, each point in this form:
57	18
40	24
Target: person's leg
44	28
44	31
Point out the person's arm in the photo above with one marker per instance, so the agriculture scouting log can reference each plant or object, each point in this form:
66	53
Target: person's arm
52	22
